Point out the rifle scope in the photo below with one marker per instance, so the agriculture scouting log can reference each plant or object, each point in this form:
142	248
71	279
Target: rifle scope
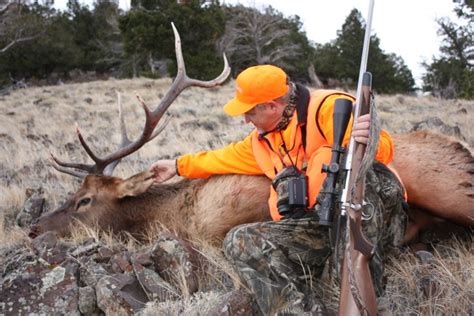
326	199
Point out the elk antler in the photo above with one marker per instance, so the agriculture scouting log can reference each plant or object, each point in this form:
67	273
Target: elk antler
181	82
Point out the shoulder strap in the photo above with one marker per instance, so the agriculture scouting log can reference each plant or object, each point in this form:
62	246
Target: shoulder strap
302	103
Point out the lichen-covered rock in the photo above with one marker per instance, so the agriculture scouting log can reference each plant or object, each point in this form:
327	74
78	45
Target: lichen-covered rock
120	262
32	209
88	301
176	261
50	249
120	294
91	272
86	248
53	277
38	288
153	284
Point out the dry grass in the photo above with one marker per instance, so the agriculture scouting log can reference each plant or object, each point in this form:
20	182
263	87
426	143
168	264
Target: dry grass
443	287
38	120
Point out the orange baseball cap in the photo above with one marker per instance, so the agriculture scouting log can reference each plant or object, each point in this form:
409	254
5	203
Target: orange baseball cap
255	85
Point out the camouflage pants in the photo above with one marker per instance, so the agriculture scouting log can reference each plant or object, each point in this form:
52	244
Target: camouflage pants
281	261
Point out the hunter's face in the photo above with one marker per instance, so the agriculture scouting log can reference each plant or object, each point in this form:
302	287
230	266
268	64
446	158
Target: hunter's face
265	116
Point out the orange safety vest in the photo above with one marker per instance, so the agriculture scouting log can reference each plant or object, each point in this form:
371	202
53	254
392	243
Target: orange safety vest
275	151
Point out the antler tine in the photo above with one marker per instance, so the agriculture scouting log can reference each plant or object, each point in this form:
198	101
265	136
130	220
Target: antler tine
65	167
159	129
123	128
125	140
152	118
181	82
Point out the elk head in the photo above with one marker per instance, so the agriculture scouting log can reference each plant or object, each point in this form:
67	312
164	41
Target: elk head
100	193
96	203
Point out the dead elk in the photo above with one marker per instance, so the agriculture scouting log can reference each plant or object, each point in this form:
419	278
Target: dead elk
437	172
207	208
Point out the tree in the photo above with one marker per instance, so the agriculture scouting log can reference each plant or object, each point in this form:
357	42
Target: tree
54	51
340	59
17	26
254	37
452	74
97	34
148	37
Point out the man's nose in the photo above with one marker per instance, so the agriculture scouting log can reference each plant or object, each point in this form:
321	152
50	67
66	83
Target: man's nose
246	118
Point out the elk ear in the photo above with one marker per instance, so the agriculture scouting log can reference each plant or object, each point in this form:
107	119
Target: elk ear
136	184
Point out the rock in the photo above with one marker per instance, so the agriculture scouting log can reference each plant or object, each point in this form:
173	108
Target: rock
36	288
155	287
437	124
103	254
425	257
119	262
50	249
91	272
32	209
176	261
120	294
233	303
45	241
88	301
87	247
141	258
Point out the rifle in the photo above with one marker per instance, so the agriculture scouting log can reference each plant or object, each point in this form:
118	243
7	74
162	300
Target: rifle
356	288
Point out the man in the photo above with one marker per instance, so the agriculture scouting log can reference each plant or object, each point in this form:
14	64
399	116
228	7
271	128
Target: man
280	260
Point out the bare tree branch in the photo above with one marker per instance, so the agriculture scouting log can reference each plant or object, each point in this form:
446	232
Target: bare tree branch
23	39
14	28
258	37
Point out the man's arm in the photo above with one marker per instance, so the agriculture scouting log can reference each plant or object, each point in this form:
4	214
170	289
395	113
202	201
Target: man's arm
361	129
235	158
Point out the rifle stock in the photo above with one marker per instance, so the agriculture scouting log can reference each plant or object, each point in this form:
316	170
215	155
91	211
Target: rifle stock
357	289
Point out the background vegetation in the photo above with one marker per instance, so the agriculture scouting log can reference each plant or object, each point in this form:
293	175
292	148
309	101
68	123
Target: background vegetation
39	44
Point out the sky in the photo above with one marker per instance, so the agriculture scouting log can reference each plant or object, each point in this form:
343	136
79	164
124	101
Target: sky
404	27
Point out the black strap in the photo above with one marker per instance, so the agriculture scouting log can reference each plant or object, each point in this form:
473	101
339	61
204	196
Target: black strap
302	103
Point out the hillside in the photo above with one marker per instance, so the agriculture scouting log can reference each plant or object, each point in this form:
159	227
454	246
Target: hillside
39	120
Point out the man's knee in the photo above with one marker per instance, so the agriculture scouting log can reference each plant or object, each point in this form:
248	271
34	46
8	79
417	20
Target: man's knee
235	241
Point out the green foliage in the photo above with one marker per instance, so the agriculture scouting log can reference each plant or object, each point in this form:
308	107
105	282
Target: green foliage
53	50
452	74
140	42
75	39
147	35
95	32
341	58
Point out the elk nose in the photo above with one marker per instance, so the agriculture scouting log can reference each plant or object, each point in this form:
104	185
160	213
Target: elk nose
34	231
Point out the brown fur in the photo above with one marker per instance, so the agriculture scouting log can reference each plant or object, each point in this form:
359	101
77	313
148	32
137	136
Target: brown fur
207	208
436	170
438	173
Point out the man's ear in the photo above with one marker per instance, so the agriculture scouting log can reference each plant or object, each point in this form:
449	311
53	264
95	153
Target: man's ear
136	184
277	106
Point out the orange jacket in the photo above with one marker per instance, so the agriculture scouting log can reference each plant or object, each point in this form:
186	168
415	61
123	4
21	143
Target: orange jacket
253	155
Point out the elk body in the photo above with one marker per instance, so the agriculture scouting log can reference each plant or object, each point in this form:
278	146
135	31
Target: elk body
207	208
438	174
437	171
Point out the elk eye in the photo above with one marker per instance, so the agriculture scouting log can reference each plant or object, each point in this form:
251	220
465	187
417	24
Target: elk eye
83	202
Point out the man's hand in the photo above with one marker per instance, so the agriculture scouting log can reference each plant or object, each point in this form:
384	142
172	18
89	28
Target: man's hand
163	170
361	129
